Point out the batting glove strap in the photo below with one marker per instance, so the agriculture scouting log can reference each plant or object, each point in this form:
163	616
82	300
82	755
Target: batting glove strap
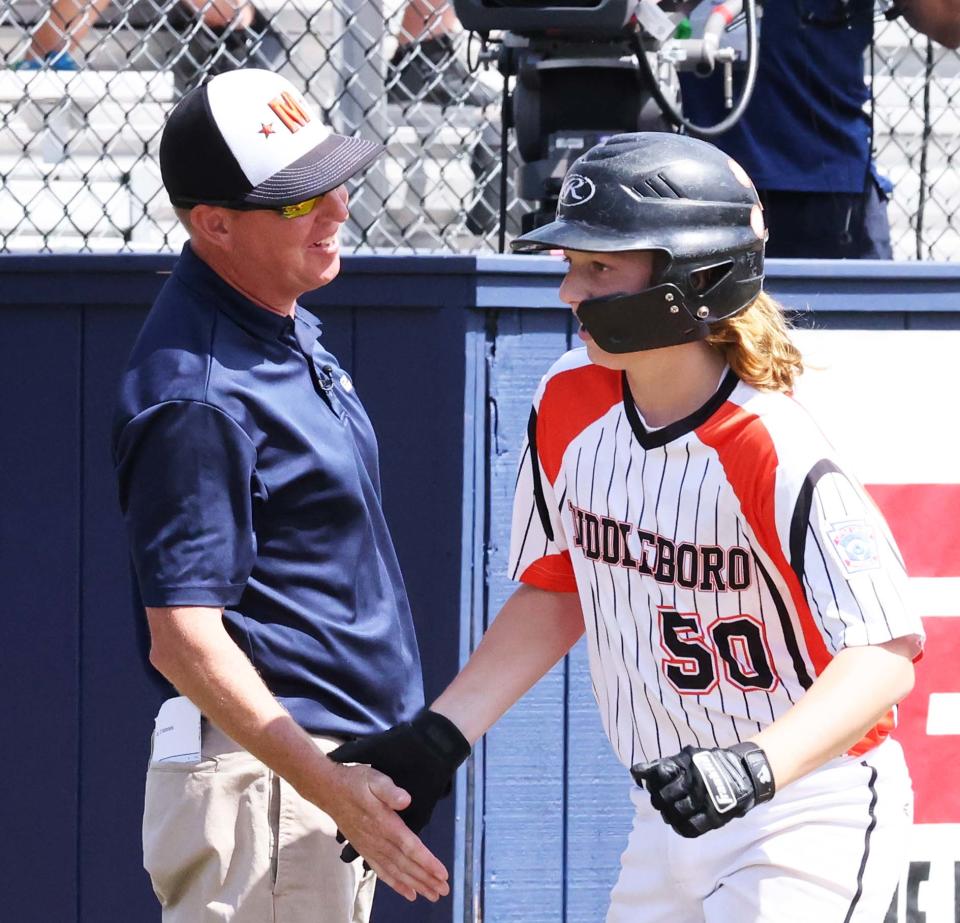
726	784
441	737
420	755
759	769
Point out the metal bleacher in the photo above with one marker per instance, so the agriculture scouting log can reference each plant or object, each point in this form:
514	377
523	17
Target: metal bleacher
78	166
78	149
904	126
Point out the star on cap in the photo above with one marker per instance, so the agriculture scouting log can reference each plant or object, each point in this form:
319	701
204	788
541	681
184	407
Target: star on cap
266	129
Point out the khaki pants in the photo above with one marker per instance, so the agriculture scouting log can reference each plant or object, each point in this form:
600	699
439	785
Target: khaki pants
226	839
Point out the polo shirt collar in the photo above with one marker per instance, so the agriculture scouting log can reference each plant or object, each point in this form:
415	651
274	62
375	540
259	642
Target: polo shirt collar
252	317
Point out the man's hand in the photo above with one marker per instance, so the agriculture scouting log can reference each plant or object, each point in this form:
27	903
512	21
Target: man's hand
700	790
421	756
364	803
193	650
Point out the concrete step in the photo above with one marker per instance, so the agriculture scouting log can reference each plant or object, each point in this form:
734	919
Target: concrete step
86	89
65	208
123	199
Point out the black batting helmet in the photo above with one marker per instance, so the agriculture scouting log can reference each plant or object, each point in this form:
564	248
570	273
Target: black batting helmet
669	193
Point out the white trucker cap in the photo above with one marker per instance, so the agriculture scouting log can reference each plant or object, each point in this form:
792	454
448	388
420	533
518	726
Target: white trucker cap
248	139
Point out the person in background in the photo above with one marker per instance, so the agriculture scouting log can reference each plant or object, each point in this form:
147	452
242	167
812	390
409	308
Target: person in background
806	136
425	66
213	36
55	40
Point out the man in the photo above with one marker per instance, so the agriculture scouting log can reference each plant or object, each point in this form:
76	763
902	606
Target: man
806	136
249	482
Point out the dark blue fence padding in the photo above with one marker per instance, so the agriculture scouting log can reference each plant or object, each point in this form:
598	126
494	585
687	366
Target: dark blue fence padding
40	535
599	811
446	352
524	842
117	696
554	833
552	847
77	701
853	294
867	287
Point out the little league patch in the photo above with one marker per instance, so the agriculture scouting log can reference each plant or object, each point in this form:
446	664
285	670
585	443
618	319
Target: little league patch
856	545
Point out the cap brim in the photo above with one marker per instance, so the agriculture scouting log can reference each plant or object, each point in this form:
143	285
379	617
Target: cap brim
328	165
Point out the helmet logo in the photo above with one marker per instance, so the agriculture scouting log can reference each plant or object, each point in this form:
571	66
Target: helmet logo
576	190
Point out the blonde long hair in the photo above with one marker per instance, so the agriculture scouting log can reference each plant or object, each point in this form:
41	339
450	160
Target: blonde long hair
756	344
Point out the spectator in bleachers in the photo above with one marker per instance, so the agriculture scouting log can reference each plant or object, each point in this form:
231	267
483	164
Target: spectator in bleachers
221	35
59	34
226	35
217	36
425	67
806	136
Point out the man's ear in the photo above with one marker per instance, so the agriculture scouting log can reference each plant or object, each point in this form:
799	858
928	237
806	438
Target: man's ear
211	224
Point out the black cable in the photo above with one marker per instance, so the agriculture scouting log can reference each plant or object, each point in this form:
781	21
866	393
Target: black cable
504	164
871	139
710	131
924	147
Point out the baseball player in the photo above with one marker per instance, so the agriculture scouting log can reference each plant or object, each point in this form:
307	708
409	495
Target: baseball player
743	601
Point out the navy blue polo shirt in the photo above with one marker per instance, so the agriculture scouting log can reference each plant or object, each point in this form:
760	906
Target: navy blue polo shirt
807	127
249	480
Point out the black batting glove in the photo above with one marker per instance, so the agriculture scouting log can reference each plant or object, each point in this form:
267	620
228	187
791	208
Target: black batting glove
421	756
700	790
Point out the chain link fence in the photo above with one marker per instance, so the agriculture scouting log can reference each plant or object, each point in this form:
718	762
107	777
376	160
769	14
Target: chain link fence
80	127
916	91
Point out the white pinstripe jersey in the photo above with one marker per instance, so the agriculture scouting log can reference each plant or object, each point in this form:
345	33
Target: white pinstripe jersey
721	561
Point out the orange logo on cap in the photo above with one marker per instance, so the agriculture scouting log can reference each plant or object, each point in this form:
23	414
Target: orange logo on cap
289	111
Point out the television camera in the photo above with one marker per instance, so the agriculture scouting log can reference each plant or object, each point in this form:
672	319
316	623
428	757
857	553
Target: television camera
586	69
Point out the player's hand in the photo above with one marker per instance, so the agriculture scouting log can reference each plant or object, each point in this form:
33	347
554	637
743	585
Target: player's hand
700	790
364	804
421	756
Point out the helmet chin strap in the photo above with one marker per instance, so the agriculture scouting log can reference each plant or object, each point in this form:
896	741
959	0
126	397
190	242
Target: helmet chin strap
652	319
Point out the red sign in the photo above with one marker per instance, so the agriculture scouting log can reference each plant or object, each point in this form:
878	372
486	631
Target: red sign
925	522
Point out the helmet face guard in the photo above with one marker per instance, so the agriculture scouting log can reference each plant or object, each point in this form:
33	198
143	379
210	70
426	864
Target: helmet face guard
651	319
670	193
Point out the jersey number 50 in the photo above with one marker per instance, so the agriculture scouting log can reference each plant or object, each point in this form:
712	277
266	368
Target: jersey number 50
693	656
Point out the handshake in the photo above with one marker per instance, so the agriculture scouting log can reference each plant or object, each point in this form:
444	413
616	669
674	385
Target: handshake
421	756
